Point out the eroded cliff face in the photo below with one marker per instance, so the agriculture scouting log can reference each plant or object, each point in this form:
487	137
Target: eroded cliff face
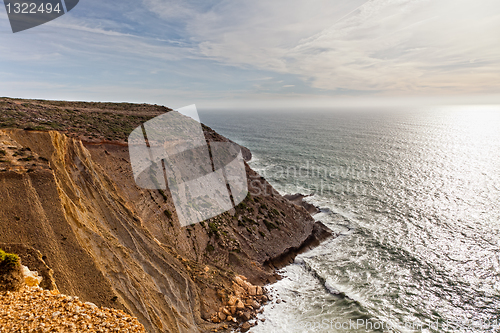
116	245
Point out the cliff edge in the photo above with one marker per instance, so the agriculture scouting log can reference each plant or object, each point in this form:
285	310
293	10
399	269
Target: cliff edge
70	195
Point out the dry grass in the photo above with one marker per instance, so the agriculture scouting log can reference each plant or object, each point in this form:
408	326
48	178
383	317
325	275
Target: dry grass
87	120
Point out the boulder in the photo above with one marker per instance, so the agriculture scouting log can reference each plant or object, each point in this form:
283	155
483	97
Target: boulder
92	306
240	281
252	290
240	305
246	316
239	291
245	327
215	319
232	300
31	278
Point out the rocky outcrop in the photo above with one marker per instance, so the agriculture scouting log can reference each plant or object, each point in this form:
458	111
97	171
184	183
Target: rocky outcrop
212	135
320	233
298	199
242	305
33	259
14	275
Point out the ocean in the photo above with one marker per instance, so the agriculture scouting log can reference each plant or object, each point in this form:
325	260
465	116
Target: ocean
414	196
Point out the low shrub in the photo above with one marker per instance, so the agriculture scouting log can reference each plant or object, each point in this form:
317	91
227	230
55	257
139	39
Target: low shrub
270	226
213	228
8	259
11	275
162	193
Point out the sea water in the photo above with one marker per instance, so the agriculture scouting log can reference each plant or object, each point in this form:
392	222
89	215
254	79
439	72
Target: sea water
414	196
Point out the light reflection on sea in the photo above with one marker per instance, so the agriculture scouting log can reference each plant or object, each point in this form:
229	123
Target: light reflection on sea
415	198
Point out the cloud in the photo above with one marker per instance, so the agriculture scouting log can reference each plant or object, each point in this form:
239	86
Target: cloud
79	41
263	78
238	49
405	46
398	46
256	33
177	9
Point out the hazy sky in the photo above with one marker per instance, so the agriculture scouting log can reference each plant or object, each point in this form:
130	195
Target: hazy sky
259	53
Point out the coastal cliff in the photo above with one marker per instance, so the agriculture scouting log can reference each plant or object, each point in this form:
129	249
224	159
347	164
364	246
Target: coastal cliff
68	191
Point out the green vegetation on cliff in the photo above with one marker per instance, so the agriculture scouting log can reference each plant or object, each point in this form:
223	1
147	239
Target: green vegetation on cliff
11	277
8	259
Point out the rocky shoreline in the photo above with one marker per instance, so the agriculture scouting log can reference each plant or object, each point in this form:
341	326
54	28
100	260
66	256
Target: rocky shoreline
72	211
241	307
33	307
240	310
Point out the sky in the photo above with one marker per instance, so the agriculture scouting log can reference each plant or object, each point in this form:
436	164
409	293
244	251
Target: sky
259	53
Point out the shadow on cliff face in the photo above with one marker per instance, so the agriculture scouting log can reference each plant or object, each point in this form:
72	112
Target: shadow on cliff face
95	245
116	245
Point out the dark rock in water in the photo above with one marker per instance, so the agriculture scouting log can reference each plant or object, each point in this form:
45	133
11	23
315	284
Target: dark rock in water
294	197
320	233
298	199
